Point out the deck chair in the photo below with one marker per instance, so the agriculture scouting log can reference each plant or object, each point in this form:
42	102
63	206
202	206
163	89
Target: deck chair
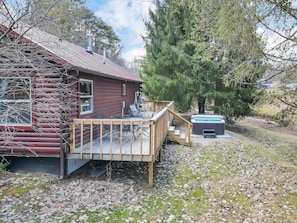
134	111
137	109
115	129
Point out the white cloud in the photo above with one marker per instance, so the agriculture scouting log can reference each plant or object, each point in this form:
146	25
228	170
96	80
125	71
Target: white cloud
126	17
135	53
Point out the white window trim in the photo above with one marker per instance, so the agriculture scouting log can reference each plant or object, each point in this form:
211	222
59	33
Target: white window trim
124	89
20	101
91	97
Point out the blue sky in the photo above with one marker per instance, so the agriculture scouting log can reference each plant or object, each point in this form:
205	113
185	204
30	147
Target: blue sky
126	18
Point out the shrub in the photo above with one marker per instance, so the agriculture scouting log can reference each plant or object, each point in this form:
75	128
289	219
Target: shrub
3	164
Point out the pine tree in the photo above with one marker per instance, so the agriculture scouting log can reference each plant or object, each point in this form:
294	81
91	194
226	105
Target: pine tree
239	55
176	67
199	51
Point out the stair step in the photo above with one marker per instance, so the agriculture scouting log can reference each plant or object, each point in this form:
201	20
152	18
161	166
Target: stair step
179	136
176	132
171	128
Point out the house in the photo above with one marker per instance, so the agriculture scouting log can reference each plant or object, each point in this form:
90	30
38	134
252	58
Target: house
45	83
62	105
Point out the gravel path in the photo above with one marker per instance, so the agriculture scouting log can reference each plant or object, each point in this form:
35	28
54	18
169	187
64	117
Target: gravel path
237	187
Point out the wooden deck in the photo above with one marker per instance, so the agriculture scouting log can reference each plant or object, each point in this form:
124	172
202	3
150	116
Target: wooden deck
136	139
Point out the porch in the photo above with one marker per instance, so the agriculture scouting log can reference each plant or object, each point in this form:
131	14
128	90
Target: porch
125	139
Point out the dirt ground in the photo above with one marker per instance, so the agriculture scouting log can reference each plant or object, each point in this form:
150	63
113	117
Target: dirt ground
265	124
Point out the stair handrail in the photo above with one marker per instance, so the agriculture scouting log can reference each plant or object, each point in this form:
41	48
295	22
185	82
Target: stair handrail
189	124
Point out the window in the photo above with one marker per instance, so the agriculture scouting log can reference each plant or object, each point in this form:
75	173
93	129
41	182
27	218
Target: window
86	96
123	89
15	101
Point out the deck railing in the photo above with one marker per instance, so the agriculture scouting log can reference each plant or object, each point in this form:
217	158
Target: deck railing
156	106
188	124
111	139
122	135
123	139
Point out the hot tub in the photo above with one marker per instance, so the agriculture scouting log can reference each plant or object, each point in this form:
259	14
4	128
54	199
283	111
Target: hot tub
200	122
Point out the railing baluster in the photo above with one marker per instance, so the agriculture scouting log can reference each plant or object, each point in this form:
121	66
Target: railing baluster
121	139
91	140
141	133
73	137
131	139
101	138
81	137
110	140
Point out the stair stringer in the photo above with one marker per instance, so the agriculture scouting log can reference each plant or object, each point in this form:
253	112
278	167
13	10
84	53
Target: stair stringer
178	138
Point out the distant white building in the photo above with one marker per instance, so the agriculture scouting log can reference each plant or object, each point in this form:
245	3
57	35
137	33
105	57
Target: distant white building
292	86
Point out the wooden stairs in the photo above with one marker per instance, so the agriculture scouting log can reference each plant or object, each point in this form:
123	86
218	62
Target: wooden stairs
182	137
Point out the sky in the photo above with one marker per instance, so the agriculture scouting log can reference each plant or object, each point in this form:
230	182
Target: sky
126	18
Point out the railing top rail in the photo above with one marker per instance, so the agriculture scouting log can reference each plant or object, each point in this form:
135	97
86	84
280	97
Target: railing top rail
167	105
170	104
157	101
161	113
180	117
113	121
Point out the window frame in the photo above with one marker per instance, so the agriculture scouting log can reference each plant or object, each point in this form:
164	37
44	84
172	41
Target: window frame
124	89
20	101
91	97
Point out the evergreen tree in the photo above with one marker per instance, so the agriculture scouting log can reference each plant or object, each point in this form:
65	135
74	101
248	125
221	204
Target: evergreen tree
239	55
176	67
195	52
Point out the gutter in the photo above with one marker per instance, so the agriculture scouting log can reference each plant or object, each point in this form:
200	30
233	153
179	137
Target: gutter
80	69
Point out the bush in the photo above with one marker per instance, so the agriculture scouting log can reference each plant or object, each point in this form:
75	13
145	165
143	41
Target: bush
269	106
3	164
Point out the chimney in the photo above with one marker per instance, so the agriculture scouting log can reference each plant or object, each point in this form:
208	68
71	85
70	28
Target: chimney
104	56
90	43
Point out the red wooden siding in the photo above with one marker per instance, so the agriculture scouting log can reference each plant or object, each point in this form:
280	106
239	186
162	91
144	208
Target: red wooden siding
43	137
108	96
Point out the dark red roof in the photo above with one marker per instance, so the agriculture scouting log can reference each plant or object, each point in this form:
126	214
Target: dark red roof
77	56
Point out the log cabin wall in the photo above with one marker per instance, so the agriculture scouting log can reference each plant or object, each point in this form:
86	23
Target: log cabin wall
108	96
42	137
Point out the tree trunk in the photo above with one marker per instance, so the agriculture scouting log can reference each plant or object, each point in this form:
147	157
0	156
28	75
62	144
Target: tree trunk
218	100
201	105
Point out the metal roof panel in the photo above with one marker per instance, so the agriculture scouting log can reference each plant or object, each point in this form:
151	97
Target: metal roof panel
75	55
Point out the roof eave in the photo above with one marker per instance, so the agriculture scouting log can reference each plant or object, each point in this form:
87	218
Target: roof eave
80	69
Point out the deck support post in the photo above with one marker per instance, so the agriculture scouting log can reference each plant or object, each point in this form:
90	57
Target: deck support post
160	154
62	164
151	174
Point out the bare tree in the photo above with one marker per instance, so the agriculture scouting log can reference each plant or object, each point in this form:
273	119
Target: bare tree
277	22
37	92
